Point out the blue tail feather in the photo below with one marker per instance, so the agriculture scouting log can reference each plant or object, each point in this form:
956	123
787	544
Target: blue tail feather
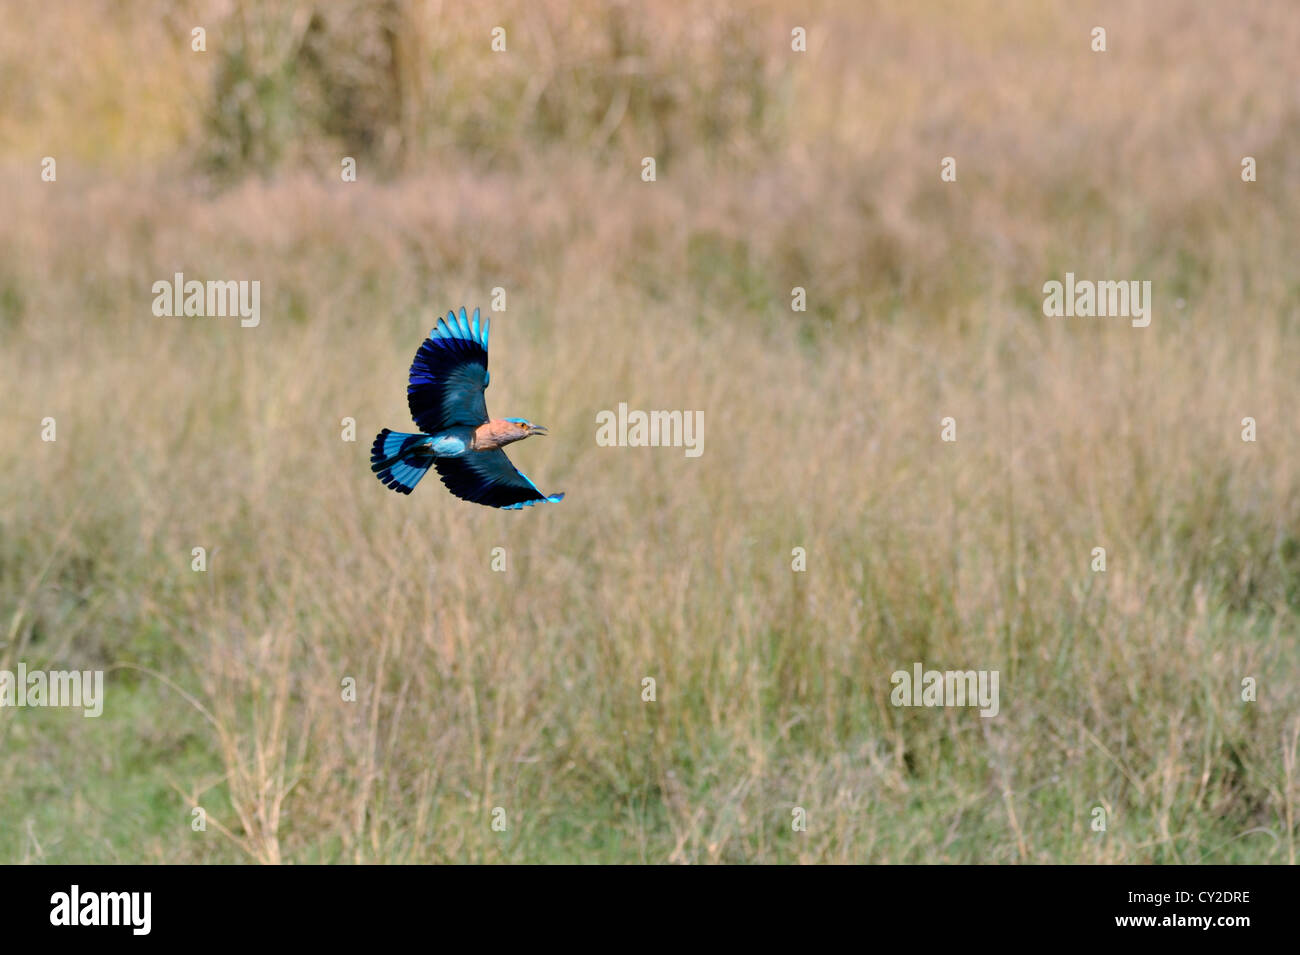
396	460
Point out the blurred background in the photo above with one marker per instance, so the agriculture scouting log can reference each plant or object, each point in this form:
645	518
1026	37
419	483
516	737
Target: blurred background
522	690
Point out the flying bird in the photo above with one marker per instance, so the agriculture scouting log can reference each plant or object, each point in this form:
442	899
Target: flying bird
456	435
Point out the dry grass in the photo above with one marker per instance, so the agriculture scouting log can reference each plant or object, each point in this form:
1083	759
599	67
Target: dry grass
522	690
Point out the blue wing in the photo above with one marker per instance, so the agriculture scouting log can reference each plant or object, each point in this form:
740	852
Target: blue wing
488	477
449	374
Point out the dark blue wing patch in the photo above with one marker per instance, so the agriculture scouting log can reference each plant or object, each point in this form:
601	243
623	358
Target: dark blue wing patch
488	477
449	374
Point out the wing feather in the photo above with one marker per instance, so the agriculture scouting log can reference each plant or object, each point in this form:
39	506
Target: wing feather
449	375
488	477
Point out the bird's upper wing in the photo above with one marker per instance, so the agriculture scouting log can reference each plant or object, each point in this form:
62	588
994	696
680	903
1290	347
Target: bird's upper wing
449	374
488	477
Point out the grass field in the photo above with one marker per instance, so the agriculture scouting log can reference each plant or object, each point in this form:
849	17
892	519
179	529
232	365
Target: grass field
521	690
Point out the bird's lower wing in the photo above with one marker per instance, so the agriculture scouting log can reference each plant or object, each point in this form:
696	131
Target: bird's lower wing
488	477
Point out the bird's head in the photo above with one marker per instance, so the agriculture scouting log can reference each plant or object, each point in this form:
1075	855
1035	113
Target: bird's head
525	428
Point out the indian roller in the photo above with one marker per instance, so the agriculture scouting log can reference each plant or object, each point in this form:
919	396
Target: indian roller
456	436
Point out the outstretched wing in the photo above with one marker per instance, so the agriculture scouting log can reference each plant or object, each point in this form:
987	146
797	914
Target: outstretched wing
449	374
488	477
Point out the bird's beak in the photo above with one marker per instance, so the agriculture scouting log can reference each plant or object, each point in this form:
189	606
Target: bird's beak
537	429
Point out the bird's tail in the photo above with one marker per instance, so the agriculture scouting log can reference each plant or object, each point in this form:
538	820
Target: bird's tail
397	462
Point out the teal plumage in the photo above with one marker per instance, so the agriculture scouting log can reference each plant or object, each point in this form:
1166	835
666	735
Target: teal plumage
457	438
